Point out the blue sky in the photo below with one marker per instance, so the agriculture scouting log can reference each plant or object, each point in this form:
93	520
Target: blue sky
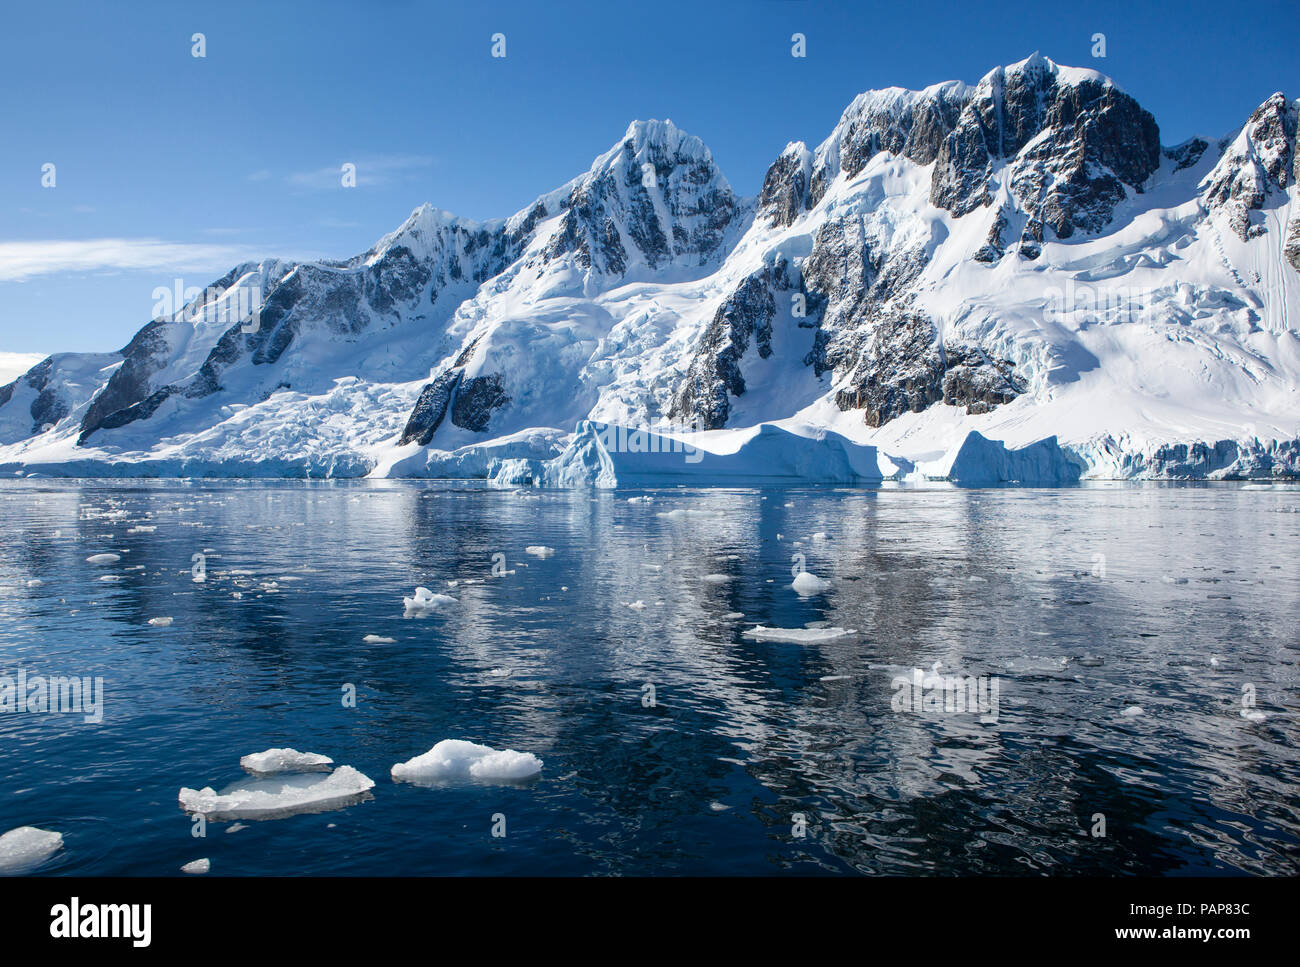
170	166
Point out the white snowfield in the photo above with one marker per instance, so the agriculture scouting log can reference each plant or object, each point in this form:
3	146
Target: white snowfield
279	796
1157	344
25	848
453	759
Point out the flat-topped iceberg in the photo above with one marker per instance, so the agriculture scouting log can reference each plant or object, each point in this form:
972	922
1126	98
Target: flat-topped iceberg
798	636
25	848
274	761
458	759
978	461
280	796
606	455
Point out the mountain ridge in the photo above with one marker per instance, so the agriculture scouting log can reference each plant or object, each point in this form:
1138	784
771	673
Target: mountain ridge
890	284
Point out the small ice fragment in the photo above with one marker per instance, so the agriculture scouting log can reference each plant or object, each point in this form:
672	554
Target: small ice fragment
636	605
718	807
274	761
1170	580
378	640
801	636
806	582
819	536
103	558
111	578
160	622
425	602
834	678
500	672
717	578
197	867
640	500
1133	711
34	582
1253	715
25	848
733	615
235	827
539	550
457	759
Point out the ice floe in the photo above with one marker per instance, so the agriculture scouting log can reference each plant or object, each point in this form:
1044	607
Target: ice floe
800	636
274	761
378	640
279	796
25	848
805	582
458	759
539	550
160	622
103	558
197	867
425	602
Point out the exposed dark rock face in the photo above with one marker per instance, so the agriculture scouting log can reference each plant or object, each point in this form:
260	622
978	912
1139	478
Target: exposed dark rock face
615	200
1256	164
1187	154
714	373
1072	148
144	355
475	400
430	408
785	193
888	358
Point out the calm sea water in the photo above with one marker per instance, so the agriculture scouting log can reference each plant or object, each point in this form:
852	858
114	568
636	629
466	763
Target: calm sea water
1188	596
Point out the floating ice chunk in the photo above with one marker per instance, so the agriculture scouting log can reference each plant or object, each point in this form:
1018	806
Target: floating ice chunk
160	622
636	605
820	536
1133	711
834	678
1253	715
280	796
235	827
142	529
111	578
806	582
733	615
800	636
539	550
103	558
1171	580
273	761
25	848
640	500
425	602
457	759
717	578
500	673
34	582
378	640
197	867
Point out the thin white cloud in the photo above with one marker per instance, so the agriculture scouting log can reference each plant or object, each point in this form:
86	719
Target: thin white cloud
27	260
370	172
13	365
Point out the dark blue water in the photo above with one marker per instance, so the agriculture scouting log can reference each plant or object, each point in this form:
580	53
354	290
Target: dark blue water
1196	608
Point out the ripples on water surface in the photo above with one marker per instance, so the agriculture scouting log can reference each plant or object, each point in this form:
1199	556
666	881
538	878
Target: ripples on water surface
1200	598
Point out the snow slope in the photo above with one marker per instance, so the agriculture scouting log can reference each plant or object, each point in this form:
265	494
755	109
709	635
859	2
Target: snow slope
952	279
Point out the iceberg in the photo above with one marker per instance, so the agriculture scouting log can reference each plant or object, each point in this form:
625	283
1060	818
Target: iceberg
458	759
275	798
606	455
978	461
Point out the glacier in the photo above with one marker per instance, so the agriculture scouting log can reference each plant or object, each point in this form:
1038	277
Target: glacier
1005	282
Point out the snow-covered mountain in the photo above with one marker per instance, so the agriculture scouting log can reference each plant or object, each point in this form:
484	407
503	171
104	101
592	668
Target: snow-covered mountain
950	280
